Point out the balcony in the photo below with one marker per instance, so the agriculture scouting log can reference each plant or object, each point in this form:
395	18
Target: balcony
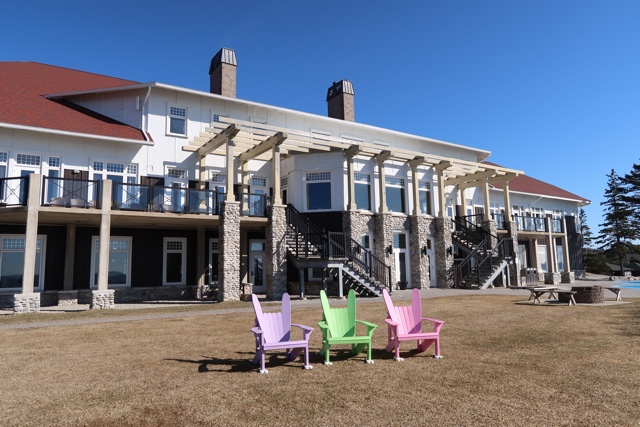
66	192
13	191
535	224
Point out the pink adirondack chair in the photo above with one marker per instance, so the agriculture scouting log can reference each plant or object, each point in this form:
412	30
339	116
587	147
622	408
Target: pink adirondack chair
405	324
273	332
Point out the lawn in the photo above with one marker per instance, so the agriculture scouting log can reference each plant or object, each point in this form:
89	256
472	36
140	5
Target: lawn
504	364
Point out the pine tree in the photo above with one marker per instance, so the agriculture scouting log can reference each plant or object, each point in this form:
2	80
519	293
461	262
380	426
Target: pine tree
585	231
616	233
631	182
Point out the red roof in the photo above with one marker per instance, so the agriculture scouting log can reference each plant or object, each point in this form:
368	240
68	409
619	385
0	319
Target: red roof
527	184
23	86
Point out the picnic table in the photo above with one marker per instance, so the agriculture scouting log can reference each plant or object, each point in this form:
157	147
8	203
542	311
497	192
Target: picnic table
553	291
616	290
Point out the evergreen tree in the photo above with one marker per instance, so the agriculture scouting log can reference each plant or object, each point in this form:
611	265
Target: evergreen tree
616	233
585	231
631	182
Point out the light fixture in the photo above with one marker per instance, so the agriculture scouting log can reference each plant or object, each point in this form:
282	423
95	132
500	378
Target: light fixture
423	251
389	249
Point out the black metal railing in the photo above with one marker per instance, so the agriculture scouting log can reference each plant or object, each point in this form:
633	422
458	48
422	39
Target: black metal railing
481	262
14	191
500	221
310	240
71	192
530	223
150	198
363	260
468	230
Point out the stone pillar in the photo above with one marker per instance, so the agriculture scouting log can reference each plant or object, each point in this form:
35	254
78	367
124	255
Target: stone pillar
383	239
276	252
229	257
420	230
444	258
28	301
102	298
201	270
355	224
512	232
489	226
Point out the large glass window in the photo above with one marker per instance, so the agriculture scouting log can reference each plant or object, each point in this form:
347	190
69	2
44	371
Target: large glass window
318	190
12	262
119	269
175	259
394	188
363	191
424	195
177	121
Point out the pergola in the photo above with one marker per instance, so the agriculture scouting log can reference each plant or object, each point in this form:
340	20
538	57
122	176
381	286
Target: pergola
246	140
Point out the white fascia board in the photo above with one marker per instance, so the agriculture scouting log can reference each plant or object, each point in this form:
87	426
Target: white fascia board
481	154
76	134
580	202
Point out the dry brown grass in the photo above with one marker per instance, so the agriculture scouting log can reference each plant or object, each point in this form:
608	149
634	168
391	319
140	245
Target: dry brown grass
504	364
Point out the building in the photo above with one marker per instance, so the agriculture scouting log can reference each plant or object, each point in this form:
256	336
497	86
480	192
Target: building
114	190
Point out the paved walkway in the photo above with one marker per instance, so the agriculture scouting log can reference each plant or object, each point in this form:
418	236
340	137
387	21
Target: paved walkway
397	295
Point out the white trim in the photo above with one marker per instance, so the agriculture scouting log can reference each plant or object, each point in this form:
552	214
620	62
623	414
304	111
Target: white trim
182	251
43	255
76	134
95	250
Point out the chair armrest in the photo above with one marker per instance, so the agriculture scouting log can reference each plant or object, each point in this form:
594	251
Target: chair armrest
370	326
257	331
306	330
391	322
437	324
324	328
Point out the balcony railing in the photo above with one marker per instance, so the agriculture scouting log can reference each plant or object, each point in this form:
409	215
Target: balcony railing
70	192
149	198
13	191
499	219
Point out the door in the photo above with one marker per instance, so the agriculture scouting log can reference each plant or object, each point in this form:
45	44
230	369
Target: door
401	258
256	265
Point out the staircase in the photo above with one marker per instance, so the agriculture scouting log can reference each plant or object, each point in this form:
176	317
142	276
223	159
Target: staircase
482	264
310	247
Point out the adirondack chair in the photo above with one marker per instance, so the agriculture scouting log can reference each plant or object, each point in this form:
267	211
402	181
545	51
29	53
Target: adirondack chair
405	324
273	332
338	326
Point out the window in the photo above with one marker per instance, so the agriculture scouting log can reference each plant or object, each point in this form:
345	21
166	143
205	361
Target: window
213	261
394	189
284	182
424	195
12	262
315	274
176	173
177	121
175	259
318	190
54	189
119	265
28	159
363	191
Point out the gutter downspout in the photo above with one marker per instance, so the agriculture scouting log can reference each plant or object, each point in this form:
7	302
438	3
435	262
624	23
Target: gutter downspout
144	122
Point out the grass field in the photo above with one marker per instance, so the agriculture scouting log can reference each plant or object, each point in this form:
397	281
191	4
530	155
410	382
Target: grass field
504	364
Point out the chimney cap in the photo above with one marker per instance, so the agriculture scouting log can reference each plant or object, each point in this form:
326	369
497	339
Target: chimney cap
224	56
342	86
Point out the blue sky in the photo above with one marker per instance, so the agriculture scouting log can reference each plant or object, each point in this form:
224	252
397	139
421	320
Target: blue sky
551	87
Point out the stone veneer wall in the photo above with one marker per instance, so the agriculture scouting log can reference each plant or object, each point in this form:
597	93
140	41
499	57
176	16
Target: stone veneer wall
512	231
444	260
489	226
276	252
356	223
421	229
102	299
229	259
26	303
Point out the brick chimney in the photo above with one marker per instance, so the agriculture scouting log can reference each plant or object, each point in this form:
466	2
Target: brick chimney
340	100
223	73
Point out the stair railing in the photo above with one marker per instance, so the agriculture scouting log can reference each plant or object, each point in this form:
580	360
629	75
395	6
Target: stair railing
364	261
314	240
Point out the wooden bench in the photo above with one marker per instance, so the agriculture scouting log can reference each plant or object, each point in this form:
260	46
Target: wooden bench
569	293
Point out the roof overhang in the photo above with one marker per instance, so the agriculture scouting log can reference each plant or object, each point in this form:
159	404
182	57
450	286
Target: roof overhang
77	134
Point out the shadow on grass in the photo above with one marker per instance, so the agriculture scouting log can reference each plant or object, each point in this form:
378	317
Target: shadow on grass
215	364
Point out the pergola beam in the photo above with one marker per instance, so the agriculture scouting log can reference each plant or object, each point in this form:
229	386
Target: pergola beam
264	146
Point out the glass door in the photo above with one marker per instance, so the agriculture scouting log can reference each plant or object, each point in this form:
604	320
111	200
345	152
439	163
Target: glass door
256	265
401	259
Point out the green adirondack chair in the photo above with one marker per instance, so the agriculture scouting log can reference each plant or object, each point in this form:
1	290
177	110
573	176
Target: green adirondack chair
338	326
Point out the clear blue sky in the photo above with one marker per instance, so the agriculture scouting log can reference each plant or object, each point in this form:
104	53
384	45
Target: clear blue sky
551	87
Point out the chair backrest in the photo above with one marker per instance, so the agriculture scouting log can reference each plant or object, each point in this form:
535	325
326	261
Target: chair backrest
341	321
407	317
275	326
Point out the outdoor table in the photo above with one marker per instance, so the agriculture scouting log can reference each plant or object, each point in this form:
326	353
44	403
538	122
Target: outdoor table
537	292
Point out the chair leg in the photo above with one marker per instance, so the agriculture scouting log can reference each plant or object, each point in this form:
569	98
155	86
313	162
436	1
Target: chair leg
325	350
262	370
369	360
306	359
437	355
398	358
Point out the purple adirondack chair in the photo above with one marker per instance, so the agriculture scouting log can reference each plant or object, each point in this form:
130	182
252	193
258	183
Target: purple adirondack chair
405	324
273	332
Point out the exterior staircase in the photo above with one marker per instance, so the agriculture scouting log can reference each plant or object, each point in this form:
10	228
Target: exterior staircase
308	246
483	264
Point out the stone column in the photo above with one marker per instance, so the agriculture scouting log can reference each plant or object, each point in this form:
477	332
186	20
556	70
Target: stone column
383	239
276	252
420	230
103	297
512	232
489	226
444	258
229	244
567	276
28	300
